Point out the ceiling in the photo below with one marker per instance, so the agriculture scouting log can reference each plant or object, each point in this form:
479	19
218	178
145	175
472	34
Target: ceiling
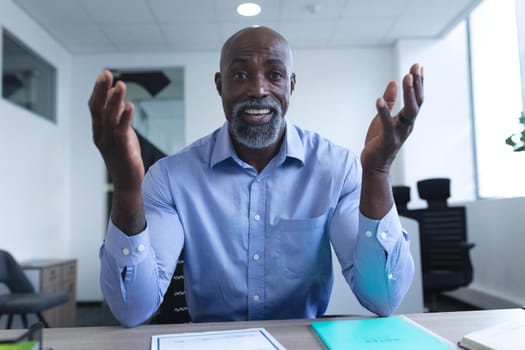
109	26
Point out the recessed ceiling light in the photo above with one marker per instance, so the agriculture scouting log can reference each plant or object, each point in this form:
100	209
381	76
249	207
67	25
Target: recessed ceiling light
248	9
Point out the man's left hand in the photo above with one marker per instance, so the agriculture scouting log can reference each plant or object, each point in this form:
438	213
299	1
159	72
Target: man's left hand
386	134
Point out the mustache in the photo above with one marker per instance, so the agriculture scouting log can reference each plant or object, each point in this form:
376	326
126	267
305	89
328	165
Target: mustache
259	103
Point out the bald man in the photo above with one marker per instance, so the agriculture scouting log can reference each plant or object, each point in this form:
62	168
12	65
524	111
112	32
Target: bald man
256	204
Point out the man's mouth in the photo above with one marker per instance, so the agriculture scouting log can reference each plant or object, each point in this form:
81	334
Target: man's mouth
257	115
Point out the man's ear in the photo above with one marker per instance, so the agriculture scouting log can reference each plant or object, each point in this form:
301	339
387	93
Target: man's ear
292	83
218	83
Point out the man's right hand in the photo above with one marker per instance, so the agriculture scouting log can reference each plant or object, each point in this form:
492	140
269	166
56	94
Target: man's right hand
119	145
113	134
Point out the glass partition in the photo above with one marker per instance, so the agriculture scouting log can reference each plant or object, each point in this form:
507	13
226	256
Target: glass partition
27	79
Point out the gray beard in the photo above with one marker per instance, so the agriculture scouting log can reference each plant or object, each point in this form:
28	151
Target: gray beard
256	136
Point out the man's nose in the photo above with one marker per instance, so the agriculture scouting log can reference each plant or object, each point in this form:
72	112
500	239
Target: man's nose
259	86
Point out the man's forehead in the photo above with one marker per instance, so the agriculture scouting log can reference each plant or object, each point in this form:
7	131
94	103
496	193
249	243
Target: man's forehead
270	55
252	42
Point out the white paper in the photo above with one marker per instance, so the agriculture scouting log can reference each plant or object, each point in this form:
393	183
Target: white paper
245	339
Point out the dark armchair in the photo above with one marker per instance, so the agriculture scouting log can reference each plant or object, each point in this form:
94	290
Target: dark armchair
445	251
22	298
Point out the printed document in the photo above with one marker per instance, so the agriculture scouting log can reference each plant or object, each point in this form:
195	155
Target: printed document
240	339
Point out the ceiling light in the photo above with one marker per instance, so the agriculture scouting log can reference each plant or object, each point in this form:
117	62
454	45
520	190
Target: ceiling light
248	9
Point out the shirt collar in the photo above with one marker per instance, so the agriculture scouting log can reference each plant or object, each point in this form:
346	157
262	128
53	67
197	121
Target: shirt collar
223	148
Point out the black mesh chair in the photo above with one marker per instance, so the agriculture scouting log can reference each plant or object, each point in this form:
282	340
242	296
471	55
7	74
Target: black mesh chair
22	298
174	308
445	251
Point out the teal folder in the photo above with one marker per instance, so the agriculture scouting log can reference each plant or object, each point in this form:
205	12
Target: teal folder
395	332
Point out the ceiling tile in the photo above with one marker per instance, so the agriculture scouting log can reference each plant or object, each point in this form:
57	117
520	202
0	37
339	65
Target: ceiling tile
435	8
362	32
320	10
161	25
416	28
171	11
197	36
53	11
375	8
304	34
118	11
83	38
139	37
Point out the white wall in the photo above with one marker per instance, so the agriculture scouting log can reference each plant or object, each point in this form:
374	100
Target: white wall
34	181
336	91
496	227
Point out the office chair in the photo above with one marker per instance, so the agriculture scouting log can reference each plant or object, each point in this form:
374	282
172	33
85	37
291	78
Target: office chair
445	252
174	308
22	298
401	198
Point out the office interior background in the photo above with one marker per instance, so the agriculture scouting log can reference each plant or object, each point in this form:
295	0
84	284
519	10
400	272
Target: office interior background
54	183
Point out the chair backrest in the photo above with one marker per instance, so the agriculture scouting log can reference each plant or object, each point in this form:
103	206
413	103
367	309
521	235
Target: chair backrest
401	197
435	191
12	275
443	236
173	308
445	252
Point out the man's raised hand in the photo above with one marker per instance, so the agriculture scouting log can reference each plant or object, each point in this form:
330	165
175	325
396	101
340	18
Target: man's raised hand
113	134
387	134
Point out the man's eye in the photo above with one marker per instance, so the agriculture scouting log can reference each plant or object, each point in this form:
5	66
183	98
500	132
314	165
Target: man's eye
240	76
276	75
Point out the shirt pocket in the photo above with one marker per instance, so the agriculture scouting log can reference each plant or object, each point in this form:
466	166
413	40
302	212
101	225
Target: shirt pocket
304	248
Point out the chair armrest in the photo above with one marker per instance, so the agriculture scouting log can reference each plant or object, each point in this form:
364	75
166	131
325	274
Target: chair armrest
467	245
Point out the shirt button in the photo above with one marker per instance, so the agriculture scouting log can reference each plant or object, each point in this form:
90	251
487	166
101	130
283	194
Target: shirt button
390	276
141	248
256	257
125	251
383	235
255	298
368	234
257	217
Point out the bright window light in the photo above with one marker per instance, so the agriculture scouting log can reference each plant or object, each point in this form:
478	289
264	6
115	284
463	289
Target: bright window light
497	97
248	9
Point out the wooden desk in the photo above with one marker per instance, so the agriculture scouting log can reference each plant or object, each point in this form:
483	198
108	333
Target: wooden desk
293	334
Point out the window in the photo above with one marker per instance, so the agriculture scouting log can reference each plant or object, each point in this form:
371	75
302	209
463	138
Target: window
27	79
497	96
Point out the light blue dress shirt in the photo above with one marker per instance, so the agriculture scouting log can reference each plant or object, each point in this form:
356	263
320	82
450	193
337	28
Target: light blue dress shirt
257	245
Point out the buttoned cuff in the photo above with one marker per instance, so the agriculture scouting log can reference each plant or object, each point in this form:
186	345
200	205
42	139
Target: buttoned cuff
386	231
127	250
